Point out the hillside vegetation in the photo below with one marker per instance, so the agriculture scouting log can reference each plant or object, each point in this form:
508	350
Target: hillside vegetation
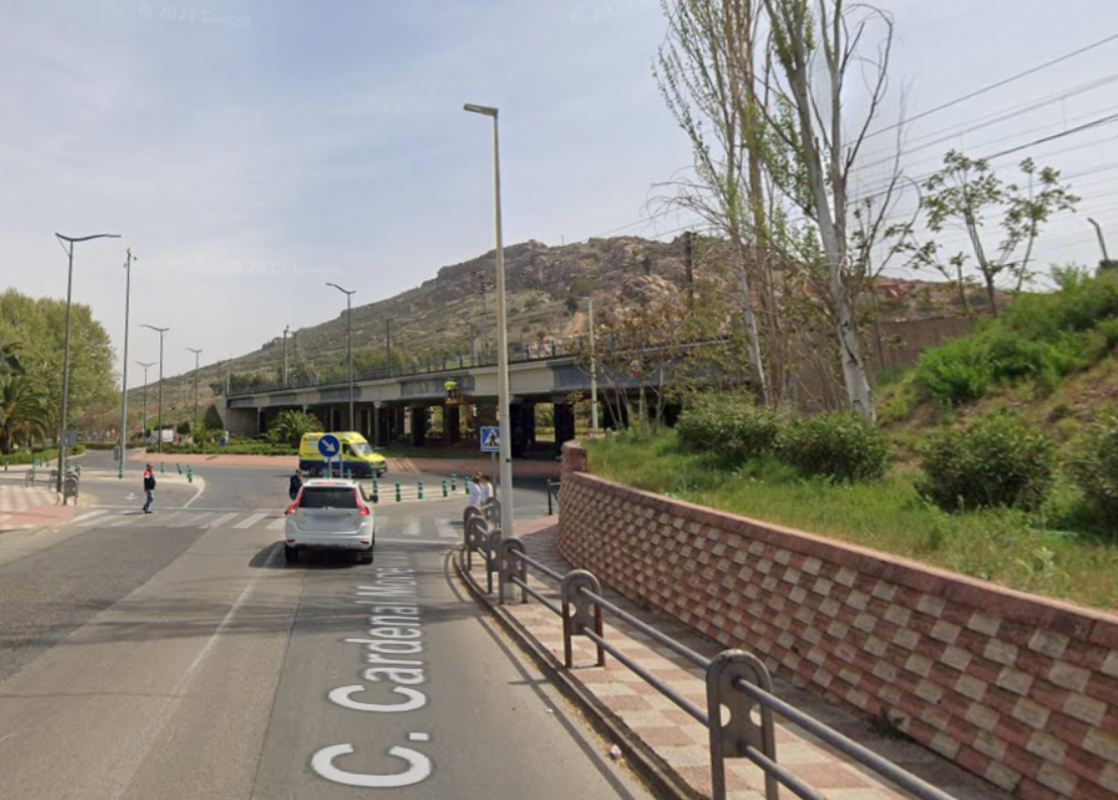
998	456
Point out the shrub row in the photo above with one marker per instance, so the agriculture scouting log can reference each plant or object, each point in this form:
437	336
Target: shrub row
999	461
837	445
1040	338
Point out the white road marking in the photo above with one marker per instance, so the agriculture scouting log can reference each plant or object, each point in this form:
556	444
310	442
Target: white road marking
222	519
89	515
277	524
251	520
136	756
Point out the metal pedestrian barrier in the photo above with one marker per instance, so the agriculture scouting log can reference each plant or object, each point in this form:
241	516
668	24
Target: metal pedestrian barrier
737	682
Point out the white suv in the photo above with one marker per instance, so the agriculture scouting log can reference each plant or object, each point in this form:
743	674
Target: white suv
330	515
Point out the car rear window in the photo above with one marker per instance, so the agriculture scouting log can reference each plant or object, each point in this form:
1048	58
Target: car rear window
328	497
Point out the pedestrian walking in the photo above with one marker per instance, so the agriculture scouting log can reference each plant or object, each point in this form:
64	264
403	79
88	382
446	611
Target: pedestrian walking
295	484
149	487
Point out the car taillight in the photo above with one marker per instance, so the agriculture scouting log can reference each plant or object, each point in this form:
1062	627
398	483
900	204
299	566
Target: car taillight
292	508
365	510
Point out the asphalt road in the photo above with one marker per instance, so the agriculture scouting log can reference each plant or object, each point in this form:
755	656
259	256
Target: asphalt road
176	656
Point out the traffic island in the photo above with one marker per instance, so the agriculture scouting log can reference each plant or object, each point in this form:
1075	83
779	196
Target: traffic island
662	741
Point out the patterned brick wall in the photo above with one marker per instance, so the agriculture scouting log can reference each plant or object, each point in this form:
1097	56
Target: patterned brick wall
1018	689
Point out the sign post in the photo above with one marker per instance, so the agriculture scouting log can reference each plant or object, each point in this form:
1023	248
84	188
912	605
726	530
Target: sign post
491	443
331	449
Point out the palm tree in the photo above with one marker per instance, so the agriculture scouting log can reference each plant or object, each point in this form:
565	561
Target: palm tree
23	412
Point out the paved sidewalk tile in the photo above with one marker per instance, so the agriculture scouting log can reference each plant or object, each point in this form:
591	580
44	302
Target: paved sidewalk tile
23	507
682	741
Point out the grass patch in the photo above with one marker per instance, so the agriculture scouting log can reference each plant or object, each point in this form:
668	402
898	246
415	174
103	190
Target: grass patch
1026	551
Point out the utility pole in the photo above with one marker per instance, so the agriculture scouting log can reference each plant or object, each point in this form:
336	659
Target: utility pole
286	328
388	344
124	363
593	372
196	352
689	261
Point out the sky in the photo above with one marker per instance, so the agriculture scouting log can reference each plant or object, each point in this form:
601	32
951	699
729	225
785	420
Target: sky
250	151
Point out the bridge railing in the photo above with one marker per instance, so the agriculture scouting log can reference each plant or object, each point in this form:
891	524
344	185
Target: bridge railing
736	680
518	354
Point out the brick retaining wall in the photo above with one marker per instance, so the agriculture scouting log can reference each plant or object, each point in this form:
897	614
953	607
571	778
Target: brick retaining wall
1018	689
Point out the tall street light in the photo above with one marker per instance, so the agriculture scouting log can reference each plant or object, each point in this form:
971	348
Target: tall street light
70	240
502	334
159	438
129	258
348	343
145	365
197	351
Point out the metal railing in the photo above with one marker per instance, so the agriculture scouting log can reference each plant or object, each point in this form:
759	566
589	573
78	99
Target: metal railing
552	494
736	681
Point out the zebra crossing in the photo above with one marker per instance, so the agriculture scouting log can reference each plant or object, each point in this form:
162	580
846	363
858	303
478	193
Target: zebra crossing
392	527
16	499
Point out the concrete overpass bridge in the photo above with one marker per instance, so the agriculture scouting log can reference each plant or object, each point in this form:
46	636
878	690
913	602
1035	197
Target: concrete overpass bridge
411	405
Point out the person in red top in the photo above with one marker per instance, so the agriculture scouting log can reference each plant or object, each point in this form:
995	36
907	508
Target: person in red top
149	488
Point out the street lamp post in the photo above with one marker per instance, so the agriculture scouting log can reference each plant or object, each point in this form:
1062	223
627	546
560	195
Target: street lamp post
197	351
145	365
348	343
159	438
502	333
66	344
124	362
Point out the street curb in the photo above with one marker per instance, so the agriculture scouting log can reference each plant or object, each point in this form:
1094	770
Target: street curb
664	781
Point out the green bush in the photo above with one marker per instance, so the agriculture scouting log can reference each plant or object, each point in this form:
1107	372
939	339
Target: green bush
999	461
290	426
1096	470
836	444
729	424
956	373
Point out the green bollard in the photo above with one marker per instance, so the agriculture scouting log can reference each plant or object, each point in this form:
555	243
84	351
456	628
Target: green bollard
421	490
179	467
397	493
444	489
189	474
120	472
161	468
453	483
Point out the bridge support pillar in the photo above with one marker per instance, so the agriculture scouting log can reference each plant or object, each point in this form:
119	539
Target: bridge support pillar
451	423
418	425
518	411
564	424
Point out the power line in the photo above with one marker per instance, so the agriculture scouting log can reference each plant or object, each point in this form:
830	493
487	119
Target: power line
1052	137
996	85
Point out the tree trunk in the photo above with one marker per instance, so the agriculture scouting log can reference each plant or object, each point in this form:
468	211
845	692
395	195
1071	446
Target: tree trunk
991	293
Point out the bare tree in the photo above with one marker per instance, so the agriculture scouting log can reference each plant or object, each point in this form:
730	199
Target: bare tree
706	74
811	117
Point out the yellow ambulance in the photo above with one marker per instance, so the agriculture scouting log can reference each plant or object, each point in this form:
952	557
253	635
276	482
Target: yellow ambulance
357	457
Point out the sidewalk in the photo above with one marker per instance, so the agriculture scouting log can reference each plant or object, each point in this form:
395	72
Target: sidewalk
23	507
681	742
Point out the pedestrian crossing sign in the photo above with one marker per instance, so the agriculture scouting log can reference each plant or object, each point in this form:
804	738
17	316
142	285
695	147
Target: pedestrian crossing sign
490	439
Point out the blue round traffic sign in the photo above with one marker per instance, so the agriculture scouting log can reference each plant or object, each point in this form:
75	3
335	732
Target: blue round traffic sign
329	446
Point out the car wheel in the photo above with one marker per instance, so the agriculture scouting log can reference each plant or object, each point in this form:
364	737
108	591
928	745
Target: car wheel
365	556
290	554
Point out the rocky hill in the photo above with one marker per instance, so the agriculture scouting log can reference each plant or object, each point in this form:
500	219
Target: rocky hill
454	312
